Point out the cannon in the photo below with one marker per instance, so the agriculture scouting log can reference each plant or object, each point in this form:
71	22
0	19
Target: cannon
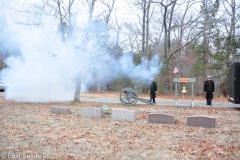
128	97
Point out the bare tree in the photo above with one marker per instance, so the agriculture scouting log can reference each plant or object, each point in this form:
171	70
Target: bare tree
146	11
132	41
90	6
231	7
63	11
110	6
93	20
166	18
165	26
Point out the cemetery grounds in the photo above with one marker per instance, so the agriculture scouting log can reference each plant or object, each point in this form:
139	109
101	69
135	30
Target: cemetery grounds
31	131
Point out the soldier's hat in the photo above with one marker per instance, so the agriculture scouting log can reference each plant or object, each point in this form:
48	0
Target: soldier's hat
209	76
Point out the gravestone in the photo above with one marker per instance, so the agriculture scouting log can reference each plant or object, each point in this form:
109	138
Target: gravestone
123	115
161	118
91	112
201	121
60	110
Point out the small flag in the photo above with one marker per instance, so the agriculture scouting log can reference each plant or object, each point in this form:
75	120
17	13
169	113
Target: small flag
104	108
175	70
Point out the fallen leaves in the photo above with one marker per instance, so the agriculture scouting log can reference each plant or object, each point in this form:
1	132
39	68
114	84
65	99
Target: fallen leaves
30	127
142	116
206	149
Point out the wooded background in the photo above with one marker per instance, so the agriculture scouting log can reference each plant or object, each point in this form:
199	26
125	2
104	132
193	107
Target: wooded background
199	37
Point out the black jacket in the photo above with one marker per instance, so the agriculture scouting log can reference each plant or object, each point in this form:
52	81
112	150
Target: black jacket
153	88
209	88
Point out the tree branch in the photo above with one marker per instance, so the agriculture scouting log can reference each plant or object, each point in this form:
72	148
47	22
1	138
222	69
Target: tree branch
185	44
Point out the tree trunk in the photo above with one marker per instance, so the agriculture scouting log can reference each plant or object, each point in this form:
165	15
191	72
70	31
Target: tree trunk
78	89
147	29
169	28
143	28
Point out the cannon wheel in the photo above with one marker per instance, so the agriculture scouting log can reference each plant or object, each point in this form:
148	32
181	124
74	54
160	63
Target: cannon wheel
128	97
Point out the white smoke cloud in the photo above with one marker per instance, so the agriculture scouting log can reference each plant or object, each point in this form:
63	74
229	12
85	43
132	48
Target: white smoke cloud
142	72
43	72
47	68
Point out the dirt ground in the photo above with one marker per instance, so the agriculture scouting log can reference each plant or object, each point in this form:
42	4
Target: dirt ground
31	131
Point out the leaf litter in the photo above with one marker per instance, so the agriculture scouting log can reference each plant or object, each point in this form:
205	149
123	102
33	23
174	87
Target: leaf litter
31	129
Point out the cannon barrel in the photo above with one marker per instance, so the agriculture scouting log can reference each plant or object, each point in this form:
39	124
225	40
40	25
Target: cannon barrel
128	97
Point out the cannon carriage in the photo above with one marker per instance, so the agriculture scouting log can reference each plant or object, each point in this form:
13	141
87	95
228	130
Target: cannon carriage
128	97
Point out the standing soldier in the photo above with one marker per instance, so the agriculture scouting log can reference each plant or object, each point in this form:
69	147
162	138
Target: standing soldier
153	90
209	90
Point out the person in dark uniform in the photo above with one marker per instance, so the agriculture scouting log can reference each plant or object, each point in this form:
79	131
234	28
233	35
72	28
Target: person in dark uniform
209	89
153	90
